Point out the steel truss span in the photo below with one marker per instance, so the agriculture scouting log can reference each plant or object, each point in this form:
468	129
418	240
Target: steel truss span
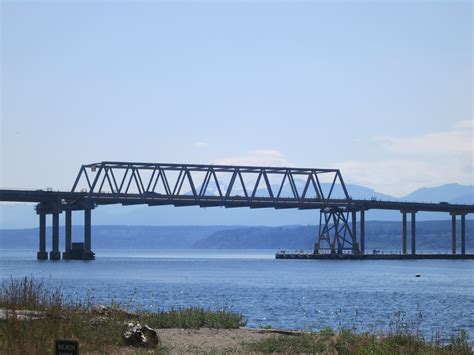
206	185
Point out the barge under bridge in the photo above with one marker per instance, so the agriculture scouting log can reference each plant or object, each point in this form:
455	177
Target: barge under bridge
157	184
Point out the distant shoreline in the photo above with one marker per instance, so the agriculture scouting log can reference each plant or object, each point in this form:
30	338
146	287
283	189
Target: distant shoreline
431	235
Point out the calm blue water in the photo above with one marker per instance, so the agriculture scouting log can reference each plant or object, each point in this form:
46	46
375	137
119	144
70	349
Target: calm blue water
297	294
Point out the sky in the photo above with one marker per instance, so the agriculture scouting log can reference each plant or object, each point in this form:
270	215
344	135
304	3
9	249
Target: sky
381	90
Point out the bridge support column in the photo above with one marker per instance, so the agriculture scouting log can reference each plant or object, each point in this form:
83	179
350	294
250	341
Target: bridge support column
404	233
87	254
355	247
362	231
413	233
453	233
68	235
54	254
42	254
463	234
334	230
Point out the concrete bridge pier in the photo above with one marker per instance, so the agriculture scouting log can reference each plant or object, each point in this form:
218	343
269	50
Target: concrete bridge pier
68	235
362	231
453	233
413	233
42	253
42	209
88	254
82	250
404	232
463	234
355	246
76	251
54	254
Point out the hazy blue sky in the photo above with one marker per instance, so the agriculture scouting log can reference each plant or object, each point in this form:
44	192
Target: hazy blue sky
382	90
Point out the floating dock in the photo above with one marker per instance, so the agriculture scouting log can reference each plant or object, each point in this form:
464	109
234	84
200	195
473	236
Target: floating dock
302	256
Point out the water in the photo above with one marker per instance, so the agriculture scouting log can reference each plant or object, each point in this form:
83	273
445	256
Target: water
294	294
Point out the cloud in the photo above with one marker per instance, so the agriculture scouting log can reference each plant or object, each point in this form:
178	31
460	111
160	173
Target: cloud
457	141
201	144
260	157
417	161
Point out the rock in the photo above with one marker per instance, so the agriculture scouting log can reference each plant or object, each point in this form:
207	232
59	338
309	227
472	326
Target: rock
134	335
102	310
139	336
151	335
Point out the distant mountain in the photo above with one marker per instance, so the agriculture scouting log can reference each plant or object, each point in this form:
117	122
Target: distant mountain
361	192
453	193
355	191
464	199
13	215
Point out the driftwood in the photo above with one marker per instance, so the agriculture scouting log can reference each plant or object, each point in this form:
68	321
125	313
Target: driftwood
21	314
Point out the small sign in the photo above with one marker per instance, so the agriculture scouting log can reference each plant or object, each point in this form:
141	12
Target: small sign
66	347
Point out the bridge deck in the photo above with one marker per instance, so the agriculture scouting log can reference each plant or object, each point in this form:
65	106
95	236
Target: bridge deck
70	198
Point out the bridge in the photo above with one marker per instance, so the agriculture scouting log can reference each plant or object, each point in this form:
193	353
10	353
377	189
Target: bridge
155	184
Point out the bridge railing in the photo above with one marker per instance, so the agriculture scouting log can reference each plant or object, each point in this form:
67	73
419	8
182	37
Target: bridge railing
211	181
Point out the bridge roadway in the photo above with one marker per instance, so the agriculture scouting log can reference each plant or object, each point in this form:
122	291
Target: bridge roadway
156	184
76	200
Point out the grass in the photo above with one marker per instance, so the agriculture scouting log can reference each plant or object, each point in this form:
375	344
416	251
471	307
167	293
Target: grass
193	318
348	342
96	332
28	293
